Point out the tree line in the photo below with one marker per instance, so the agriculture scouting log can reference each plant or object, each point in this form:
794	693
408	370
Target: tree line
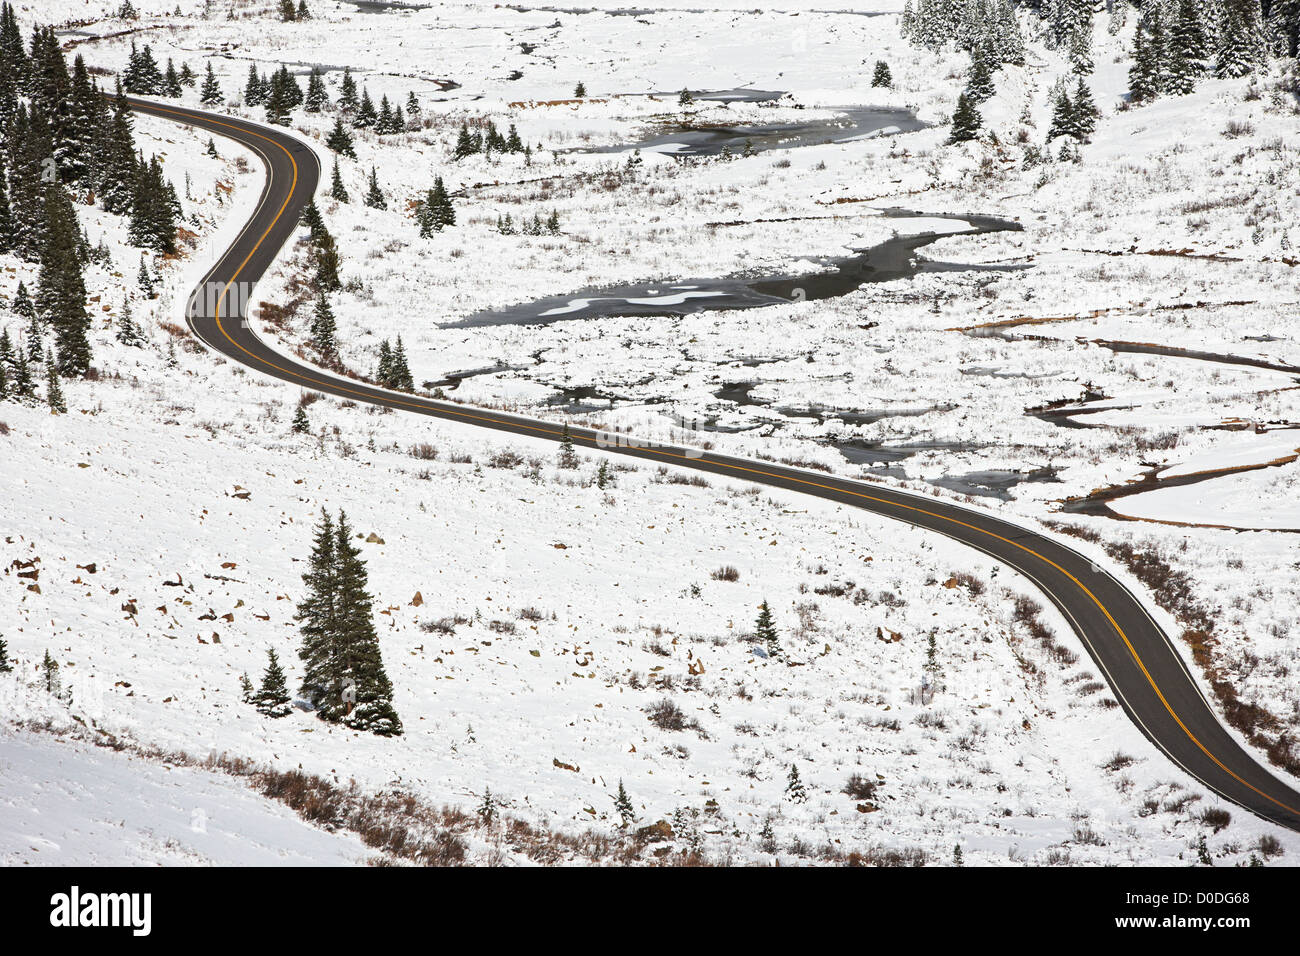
62	140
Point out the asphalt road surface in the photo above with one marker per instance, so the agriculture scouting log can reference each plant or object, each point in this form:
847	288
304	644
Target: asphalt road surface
1136	657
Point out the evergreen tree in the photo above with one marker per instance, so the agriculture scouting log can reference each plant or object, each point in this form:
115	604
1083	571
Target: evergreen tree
966	121
580	90
171	85
246	690
347	680
210	93
623	806
685	99
337	190
61	288
881	77
324	257
365	115
794	788
1187	48
465	145
348	92
399	375
340	140
272	698
765	631
436	211
128	333
1241	46
979	77
317	97
1085	111
1063	118
301	425
22	304
117	166
6	665
324	338
568	457
374	197
49	678
53	390
412	106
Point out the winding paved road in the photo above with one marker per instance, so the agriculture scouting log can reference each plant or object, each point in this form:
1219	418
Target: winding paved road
1138	660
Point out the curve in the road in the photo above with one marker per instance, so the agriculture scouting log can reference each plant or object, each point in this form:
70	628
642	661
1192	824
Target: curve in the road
1139	661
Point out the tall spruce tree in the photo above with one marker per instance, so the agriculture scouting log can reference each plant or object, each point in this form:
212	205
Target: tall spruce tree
61	288
337	190
344	673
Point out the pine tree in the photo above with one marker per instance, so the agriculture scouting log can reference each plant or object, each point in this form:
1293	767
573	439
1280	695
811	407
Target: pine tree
882	77
436	212
765	631
374	197
399	377
957	859
255	92
1085	111
171	85
412	106
318	618
360	663
365	116
272	699
61	288
966	121
22	304
49	679
6	665
324	329
464	144
337	190
324	256
685	99
794	788
580	90
300	424
246	689
340	140
623	806
1241	48
604	476
1063	117
317	97
568	457
1187	48
128	333
347	91
979	77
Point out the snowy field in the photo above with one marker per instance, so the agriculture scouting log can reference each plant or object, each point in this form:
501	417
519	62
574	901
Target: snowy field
553	617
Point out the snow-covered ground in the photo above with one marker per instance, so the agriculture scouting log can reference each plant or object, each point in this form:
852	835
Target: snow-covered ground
171	474
69	804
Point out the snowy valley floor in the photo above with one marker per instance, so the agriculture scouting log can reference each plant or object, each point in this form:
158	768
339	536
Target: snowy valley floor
554	619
